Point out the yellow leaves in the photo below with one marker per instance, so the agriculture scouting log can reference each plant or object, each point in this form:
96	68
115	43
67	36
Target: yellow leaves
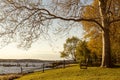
95	45
93	33
91	11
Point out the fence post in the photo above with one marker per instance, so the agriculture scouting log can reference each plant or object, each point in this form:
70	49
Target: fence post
64	64
43	67
21	69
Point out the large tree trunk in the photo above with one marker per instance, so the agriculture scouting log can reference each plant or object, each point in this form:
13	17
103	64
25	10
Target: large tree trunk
106	55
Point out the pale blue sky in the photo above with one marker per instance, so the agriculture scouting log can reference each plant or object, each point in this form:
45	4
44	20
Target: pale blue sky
42	49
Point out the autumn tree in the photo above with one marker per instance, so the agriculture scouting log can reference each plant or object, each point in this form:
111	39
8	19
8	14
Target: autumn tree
69	48
115	41
26	20
95	46
82	51
93	32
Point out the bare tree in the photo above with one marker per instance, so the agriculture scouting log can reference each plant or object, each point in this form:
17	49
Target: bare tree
26	20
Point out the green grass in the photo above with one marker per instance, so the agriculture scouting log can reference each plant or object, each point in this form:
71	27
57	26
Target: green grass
75	73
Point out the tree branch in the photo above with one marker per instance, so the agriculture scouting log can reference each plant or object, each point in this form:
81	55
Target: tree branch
52	16
74	19
113	21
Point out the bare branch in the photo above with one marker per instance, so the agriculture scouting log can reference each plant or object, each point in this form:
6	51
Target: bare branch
52	16
73	19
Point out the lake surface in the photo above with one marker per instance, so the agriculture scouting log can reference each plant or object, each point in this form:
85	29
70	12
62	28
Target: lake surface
21	67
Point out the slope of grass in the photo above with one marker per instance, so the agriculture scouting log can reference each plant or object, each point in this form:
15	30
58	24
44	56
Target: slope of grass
75	73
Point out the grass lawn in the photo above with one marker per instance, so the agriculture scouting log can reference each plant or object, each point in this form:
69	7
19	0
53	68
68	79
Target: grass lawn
75	73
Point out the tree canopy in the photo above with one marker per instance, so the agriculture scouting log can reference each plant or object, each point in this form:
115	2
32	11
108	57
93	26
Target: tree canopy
69	48
82	51
93	32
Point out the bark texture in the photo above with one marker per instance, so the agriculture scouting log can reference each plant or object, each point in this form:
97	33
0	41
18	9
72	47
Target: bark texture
106	55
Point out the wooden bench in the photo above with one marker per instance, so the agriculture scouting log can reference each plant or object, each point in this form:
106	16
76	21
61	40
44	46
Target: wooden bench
83	65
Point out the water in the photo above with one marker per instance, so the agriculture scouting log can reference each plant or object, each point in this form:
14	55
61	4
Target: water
22	67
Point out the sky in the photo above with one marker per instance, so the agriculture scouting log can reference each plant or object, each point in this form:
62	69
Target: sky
42	49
